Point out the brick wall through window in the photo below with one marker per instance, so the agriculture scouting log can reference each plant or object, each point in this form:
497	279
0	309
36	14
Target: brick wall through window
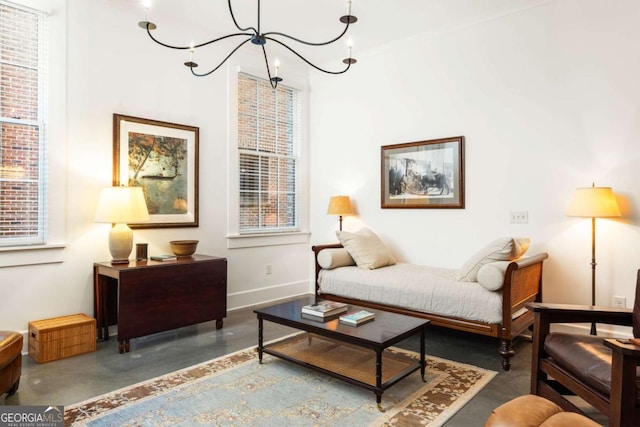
22	72
268	121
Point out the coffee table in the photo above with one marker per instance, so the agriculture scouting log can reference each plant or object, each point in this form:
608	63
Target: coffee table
330	346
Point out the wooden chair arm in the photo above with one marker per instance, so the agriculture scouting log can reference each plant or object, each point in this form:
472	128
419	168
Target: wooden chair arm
571	313
625	347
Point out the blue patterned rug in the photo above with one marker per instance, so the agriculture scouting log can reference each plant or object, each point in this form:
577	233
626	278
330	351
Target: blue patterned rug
235	390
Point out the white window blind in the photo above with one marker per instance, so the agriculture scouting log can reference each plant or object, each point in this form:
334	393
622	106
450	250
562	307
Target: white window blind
23	80
268	137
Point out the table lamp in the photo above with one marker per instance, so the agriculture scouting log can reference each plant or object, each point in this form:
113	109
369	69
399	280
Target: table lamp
340	205
119	206
594	202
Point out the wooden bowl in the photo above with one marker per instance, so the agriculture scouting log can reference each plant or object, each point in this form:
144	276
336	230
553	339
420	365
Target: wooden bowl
183	247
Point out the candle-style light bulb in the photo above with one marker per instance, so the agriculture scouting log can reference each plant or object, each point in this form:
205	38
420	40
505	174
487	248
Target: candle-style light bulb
349	46
191	50
348	7
146	24
276	64
147	5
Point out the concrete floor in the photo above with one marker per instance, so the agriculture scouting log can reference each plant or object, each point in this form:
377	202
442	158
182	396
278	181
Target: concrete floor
72	380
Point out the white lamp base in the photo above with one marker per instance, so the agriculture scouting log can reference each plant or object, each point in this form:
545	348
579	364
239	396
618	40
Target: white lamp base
120	243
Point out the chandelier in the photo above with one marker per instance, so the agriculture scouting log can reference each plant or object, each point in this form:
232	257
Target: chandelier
259	38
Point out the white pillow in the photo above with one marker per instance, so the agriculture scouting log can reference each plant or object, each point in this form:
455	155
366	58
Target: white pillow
366	248
491	275
334	257
503	249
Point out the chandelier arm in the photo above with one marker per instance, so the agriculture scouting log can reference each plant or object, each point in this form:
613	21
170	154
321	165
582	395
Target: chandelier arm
236	22
307	61
266	62
276	33
222	38
194	46
221	63
272	81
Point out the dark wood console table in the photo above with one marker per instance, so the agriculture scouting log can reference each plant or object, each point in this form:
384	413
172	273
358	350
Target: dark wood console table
146	297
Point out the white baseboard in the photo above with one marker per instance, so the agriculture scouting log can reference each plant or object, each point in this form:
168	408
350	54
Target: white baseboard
238	300
235	301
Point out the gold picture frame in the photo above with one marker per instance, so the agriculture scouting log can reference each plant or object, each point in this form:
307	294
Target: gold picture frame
162	158
423	174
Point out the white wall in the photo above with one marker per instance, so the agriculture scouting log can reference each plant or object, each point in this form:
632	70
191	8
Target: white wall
112	67
548	100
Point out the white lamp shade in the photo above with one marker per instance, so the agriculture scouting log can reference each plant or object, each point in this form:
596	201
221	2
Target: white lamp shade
340	205
122	205
594	202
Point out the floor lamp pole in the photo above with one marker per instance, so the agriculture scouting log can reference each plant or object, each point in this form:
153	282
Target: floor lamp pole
594	202
593	270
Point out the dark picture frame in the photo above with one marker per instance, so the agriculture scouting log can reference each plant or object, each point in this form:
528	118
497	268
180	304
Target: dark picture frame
162	158
423	174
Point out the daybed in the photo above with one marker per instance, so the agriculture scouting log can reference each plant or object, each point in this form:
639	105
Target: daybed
486	296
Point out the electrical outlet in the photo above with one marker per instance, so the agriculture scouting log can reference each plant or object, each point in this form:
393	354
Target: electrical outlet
268	268
519	217
620	302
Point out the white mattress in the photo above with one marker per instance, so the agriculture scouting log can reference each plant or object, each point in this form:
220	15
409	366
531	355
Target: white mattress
428	289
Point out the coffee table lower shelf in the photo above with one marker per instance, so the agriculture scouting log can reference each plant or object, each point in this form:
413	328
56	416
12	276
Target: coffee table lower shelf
360	366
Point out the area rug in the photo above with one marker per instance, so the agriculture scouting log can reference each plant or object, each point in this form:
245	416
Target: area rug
236	390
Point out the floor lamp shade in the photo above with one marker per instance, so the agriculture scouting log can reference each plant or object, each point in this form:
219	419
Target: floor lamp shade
594	202
119	206
340	205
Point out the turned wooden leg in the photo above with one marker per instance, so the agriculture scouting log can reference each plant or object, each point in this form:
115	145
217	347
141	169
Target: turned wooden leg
507	353
260	343
379	379
219	323
14	388
423	363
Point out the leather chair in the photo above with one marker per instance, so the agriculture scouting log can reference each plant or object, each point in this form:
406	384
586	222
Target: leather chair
10	361
603	372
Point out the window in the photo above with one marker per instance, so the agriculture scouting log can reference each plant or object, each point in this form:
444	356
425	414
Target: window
268	137
23	76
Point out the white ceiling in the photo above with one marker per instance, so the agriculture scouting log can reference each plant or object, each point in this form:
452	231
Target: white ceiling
379	21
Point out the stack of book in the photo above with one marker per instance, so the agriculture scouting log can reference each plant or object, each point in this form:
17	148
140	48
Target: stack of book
357	318
324	310
165	257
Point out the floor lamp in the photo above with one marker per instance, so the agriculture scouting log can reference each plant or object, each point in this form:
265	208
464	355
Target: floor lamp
594	202
340	205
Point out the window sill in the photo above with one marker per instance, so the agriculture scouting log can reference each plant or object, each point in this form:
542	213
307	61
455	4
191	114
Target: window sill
15	256
238	241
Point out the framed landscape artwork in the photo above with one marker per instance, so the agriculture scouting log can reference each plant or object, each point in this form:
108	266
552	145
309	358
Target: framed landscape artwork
423	174
162	158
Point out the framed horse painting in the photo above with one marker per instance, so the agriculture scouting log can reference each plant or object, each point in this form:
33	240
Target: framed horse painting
423	174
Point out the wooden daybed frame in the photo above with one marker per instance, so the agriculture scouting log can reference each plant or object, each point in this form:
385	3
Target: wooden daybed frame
522	284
